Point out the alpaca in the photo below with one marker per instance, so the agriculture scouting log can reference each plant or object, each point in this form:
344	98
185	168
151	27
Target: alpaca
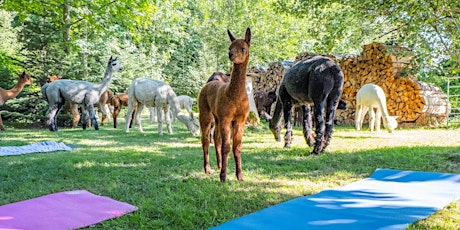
104	105
154	93
186	102
371	97
78	92
5	95
216	76
317	80
227	105
264	101
118	101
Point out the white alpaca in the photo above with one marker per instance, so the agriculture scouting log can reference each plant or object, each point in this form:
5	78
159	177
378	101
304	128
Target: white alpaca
153	93
185	102
368	98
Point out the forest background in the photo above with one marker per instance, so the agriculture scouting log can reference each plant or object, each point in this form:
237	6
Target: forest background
183	41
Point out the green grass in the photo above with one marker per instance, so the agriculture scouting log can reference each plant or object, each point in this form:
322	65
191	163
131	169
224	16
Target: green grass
163	175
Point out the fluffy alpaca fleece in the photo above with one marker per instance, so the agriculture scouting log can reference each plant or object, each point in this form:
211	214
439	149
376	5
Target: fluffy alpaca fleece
368	98
316	81
154	93
78	92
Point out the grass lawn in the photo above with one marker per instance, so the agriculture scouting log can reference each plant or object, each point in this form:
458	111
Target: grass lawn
163	175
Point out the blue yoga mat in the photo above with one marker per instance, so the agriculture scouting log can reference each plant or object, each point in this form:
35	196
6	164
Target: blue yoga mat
388	199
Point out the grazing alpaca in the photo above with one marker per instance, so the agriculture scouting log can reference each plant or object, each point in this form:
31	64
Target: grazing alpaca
154	93
227	104
5	95
186	102
371	97
78	92
317	80
264	101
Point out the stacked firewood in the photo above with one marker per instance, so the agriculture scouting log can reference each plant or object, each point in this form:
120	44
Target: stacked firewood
414	102
269	78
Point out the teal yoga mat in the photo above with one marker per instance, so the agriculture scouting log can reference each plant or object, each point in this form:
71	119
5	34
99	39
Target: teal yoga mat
388	199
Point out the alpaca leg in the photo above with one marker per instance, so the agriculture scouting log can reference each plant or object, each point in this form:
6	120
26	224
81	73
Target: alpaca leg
307	126
105	113
332	104
319	124
205	125
237	134
138	116
92	114
160	120
224	132
378	119
364	110
75	114
371	119
153	115
217	140
116	111
168	116
274	122
1	124
129	115
358	120
51	114
84	122
287	109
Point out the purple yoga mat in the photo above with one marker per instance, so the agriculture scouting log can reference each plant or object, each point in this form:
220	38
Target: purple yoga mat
64	210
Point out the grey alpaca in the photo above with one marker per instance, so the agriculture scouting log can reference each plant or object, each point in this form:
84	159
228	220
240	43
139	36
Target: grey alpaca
316	81
77	92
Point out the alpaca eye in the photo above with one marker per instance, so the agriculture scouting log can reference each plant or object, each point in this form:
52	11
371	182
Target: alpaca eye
243	50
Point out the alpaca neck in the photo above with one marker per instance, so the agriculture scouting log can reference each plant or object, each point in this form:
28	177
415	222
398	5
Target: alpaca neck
12	93
174	105
104	85
237	86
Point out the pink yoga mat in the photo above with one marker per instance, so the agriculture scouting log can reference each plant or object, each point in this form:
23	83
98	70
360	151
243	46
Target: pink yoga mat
64	210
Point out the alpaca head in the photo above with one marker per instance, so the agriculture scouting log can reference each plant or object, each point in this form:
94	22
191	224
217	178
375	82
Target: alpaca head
53	78
25	78
239	49
116	66
391	123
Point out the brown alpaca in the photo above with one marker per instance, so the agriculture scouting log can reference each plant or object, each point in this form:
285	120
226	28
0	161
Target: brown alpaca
104	103
5	95
226	104
118	101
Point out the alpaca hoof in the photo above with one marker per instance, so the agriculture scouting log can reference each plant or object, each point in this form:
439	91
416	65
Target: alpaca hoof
287	146
223	178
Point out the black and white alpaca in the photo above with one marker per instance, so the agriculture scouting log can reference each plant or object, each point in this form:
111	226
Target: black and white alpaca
316	81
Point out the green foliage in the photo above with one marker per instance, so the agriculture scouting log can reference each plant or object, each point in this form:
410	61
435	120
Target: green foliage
183	41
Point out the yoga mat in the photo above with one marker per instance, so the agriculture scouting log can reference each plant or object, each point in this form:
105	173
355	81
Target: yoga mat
388	199
64	210
39	147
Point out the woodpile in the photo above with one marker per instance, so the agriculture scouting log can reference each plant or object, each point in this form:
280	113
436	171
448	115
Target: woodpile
269	78
415	103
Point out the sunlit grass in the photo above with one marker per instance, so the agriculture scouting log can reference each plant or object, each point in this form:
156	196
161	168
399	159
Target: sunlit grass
163	175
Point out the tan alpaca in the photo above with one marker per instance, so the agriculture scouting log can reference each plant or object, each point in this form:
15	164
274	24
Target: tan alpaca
227	105
5	95
368	98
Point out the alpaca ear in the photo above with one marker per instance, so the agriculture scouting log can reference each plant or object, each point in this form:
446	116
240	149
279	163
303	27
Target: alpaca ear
248	36
110	58
230	35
